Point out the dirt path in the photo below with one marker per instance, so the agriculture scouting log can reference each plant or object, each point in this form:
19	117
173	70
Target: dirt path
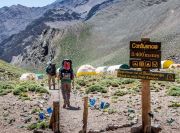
127	113
71	119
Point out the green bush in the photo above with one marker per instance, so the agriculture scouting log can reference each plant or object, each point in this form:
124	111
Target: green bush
81	82
174	104
114	83
32	126
5	88
127	81
174	91
96	88
105	82
22	88
42	125
28	86
16	91
120	93
39	125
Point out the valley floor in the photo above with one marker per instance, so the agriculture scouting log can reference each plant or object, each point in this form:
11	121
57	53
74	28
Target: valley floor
15	114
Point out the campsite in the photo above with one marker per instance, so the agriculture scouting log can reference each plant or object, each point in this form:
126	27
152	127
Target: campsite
121	98
90	66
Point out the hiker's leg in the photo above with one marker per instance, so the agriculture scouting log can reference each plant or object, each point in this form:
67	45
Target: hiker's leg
53	81
68	93
49	81
63	89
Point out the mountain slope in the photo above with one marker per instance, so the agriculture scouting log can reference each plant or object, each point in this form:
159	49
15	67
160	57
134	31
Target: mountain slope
15	18
8	71
114	27
101	37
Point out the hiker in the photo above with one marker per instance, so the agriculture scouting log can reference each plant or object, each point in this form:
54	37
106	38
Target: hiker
51	72
67	78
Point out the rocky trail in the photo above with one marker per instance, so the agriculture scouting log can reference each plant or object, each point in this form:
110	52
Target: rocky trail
123	113
120	116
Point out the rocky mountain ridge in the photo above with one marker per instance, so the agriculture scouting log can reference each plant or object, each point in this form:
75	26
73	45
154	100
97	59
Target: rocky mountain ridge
95	32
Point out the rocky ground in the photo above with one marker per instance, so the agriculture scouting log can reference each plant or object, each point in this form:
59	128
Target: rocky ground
16	115
123	113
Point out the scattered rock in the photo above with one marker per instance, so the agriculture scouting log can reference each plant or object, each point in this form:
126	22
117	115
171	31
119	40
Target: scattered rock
5	108
6	114
131	111
170	121
25	109
41	106
11	120
28	119
20	126
94	131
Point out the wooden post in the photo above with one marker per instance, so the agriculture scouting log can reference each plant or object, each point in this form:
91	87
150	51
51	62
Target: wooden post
85	115
146	101
56	120
146	106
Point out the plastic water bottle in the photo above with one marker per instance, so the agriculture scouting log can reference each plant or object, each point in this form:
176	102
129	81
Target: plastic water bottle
49	110
92	102
41	116
102	105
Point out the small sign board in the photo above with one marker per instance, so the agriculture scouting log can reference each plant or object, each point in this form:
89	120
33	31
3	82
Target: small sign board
135	63
145	45
145	54
146	75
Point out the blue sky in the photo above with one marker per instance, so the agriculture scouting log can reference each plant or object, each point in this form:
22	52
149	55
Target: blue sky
29	3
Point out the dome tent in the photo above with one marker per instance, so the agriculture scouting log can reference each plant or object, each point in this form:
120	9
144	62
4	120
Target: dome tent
112	69
101	70
28	76
166	64
86	70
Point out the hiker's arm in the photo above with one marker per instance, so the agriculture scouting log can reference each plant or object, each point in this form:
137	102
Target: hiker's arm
73	80
73	84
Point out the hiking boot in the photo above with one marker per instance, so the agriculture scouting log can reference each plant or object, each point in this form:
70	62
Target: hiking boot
64	105
68	104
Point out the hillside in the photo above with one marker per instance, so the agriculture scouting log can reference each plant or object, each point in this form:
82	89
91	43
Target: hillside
96	33
114	27
9	72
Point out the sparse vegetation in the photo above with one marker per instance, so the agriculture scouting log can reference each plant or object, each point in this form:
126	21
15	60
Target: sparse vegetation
20	88
96	88
120	93
38	125
174	91
9	72
174	104
5	88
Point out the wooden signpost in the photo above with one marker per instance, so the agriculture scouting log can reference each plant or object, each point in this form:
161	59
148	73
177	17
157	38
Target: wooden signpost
145	55
85	115
55	121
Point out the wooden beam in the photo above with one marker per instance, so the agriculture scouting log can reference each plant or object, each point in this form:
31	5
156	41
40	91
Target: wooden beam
85	115
55	116
145	39
146	106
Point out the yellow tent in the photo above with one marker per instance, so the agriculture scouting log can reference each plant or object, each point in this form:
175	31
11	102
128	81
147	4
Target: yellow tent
86	70
166	64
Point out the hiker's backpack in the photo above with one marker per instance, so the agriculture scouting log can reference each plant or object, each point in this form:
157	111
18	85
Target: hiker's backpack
66	74
67	60
51	69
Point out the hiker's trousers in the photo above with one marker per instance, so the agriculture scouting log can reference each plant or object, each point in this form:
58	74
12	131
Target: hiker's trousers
51	78
66	90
